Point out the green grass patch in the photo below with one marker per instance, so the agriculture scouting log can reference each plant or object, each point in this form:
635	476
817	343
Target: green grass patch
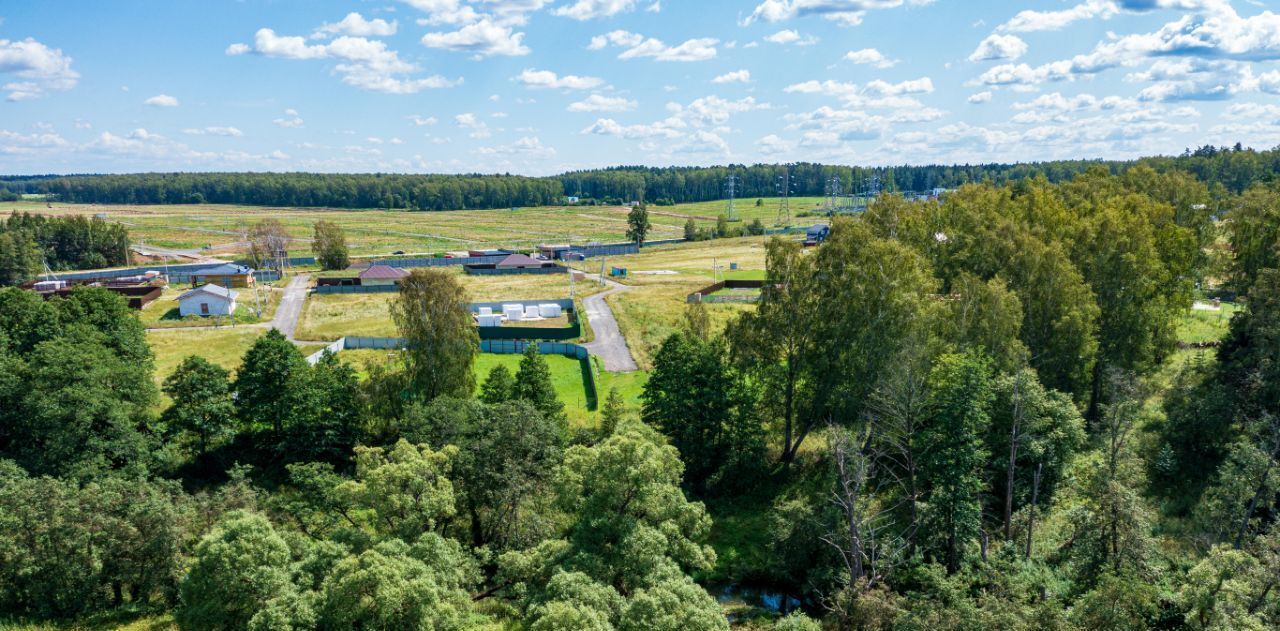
1198	326
566	377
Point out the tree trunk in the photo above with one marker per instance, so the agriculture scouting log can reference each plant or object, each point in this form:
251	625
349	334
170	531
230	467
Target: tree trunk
788	413
1031	515
1014	437
1253	503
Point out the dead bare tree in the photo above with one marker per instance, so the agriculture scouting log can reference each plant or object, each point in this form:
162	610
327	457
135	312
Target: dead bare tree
866	539
268	244
896	409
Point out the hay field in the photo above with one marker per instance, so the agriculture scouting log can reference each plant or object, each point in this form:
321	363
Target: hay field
372	232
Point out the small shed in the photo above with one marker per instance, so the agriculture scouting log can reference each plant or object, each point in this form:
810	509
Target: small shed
817	234
519	261
208	300
228	275
382	275
554	251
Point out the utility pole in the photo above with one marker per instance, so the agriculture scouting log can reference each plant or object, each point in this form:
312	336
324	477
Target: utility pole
731	186
784	192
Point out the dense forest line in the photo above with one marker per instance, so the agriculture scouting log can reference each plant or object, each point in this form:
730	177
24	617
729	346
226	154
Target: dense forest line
966	413
1232	169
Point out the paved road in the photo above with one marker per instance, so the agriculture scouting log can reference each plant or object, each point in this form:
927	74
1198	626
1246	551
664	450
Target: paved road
609	344
290	308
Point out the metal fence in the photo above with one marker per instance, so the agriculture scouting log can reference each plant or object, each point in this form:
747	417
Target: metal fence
564	303
440	262
356	289
492	271
177	274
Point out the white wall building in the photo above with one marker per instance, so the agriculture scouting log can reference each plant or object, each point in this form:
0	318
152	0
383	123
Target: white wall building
208	300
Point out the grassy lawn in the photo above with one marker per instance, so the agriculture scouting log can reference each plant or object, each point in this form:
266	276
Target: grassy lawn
629	385
1199	326
331	316
164	314
566	376
224	346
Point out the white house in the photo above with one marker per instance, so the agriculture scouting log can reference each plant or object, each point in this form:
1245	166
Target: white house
208	300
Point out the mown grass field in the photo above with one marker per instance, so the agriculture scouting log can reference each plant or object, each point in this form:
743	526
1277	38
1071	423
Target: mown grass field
380	232
566	376
1199	326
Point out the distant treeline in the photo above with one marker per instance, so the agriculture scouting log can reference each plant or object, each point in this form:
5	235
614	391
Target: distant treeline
411	192
1228	169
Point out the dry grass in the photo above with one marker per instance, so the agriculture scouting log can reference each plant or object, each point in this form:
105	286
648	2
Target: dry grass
224	347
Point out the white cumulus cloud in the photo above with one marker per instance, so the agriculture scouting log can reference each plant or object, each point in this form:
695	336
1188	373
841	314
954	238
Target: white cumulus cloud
38	68
356	25
870	57
485	38
548	79
788	36
600	103
737	76
214	131
595	9
999	47
363	63
638	46
161	100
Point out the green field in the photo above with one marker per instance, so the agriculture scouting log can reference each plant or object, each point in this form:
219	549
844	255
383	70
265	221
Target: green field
566	376
379	232
1198	326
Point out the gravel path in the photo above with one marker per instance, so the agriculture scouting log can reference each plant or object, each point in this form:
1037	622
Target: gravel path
609	344
290	309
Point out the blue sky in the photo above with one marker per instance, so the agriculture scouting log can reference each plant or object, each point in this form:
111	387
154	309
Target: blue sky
542	86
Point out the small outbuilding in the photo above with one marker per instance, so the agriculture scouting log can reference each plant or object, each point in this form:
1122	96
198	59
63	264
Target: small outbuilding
519	261
382	275
228	275
208	300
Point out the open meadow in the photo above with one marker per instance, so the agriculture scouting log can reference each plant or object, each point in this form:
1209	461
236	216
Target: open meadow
221	228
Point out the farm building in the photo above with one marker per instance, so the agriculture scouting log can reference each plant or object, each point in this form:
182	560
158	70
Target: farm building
138	291
382	275
816	234
228	275
480	253
208	300
519	261
552	252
